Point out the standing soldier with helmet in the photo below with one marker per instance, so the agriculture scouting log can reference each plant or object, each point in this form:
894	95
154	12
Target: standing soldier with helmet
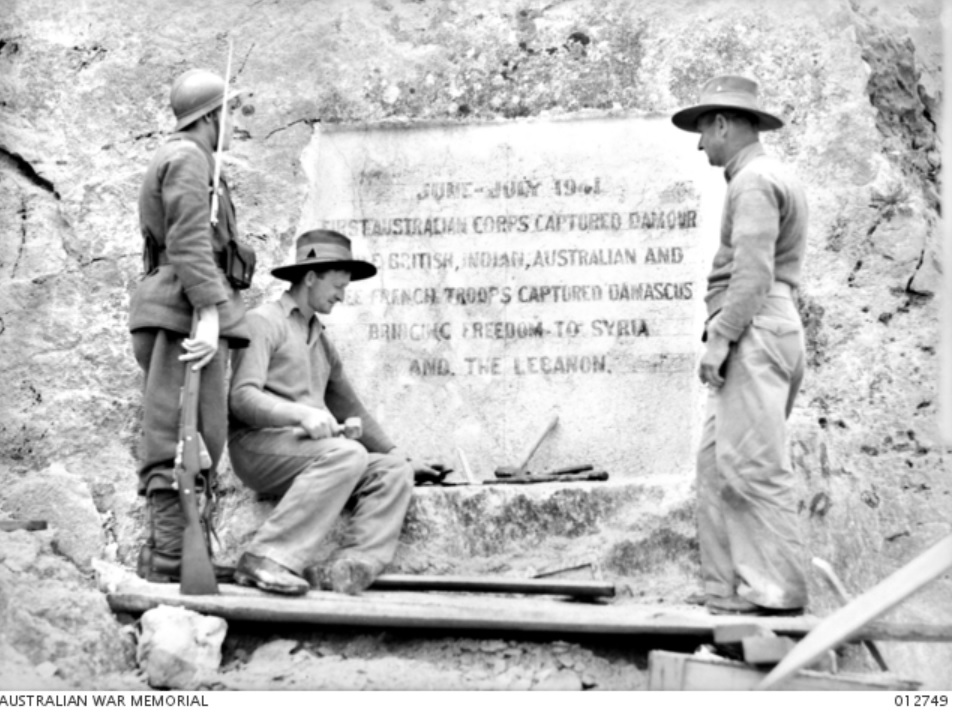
189	255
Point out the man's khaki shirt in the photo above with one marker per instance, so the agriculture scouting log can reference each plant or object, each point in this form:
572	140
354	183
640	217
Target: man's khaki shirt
291	359
763	238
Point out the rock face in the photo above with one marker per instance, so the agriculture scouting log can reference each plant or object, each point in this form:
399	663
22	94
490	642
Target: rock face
84	92
64	501
55	627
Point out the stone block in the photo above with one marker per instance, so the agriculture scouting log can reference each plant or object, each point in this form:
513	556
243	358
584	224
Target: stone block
179	648
620	528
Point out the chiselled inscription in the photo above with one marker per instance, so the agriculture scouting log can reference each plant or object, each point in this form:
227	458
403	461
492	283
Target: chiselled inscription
562	258
493	294
505	281
536	272
510	223
512	188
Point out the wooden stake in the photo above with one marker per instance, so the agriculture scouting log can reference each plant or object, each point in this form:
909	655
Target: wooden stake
845	622
841	591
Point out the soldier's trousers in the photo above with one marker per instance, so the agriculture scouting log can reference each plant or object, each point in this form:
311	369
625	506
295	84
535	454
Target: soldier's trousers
157	351
748	527
315	479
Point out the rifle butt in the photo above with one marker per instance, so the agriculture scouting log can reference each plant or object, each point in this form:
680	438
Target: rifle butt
197	575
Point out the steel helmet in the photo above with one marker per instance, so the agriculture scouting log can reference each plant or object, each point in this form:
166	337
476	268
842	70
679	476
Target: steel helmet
196	93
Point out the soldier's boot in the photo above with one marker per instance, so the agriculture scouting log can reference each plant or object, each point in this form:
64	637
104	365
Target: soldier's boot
160	558
161	555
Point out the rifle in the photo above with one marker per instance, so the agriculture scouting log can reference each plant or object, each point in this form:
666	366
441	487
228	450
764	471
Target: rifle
191	457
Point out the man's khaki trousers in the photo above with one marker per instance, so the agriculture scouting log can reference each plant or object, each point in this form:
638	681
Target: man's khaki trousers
315	479
748	527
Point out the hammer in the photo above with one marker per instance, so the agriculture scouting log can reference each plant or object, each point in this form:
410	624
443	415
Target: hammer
520	470
351	428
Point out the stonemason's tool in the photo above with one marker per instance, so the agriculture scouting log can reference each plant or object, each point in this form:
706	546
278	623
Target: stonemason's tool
351	428
838	587
530	478
583	570
582	468
465	467
562	475
520	470
568	470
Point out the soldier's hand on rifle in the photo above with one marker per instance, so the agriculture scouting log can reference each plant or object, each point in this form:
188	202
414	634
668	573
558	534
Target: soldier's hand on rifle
318	423
202	347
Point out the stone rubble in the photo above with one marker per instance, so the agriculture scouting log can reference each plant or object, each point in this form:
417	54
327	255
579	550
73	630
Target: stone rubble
178	648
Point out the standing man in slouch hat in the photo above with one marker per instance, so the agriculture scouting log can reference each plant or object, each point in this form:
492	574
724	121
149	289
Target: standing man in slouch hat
184	273
289	391
748	531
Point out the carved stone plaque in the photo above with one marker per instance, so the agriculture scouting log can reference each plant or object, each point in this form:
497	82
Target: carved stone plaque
525	269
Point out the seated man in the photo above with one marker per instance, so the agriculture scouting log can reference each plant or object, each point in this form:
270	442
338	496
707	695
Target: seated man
288	394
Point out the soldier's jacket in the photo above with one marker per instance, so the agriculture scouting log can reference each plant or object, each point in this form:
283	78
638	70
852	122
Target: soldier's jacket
174	205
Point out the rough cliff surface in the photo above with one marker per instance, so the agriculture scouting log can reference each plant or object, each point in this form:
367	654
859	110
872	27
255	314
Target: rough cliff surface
83	105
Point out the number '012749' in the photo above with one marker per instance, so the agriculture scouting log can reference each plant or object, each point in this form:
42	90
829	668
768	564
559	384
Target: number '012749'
920	701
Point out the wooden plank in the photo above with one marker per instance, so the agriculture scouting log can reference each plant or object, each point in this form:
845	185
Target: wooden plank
670	671
765	649
843	624
510	585
467	612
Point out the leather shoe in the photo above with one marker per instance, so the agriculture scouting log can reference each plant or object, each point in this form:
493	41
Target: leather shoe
721	606
345	576
268	575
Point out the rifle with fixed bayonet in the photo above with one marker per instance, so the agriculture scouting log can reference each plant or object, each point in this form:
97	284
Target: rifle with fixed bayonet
217	171
197	575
